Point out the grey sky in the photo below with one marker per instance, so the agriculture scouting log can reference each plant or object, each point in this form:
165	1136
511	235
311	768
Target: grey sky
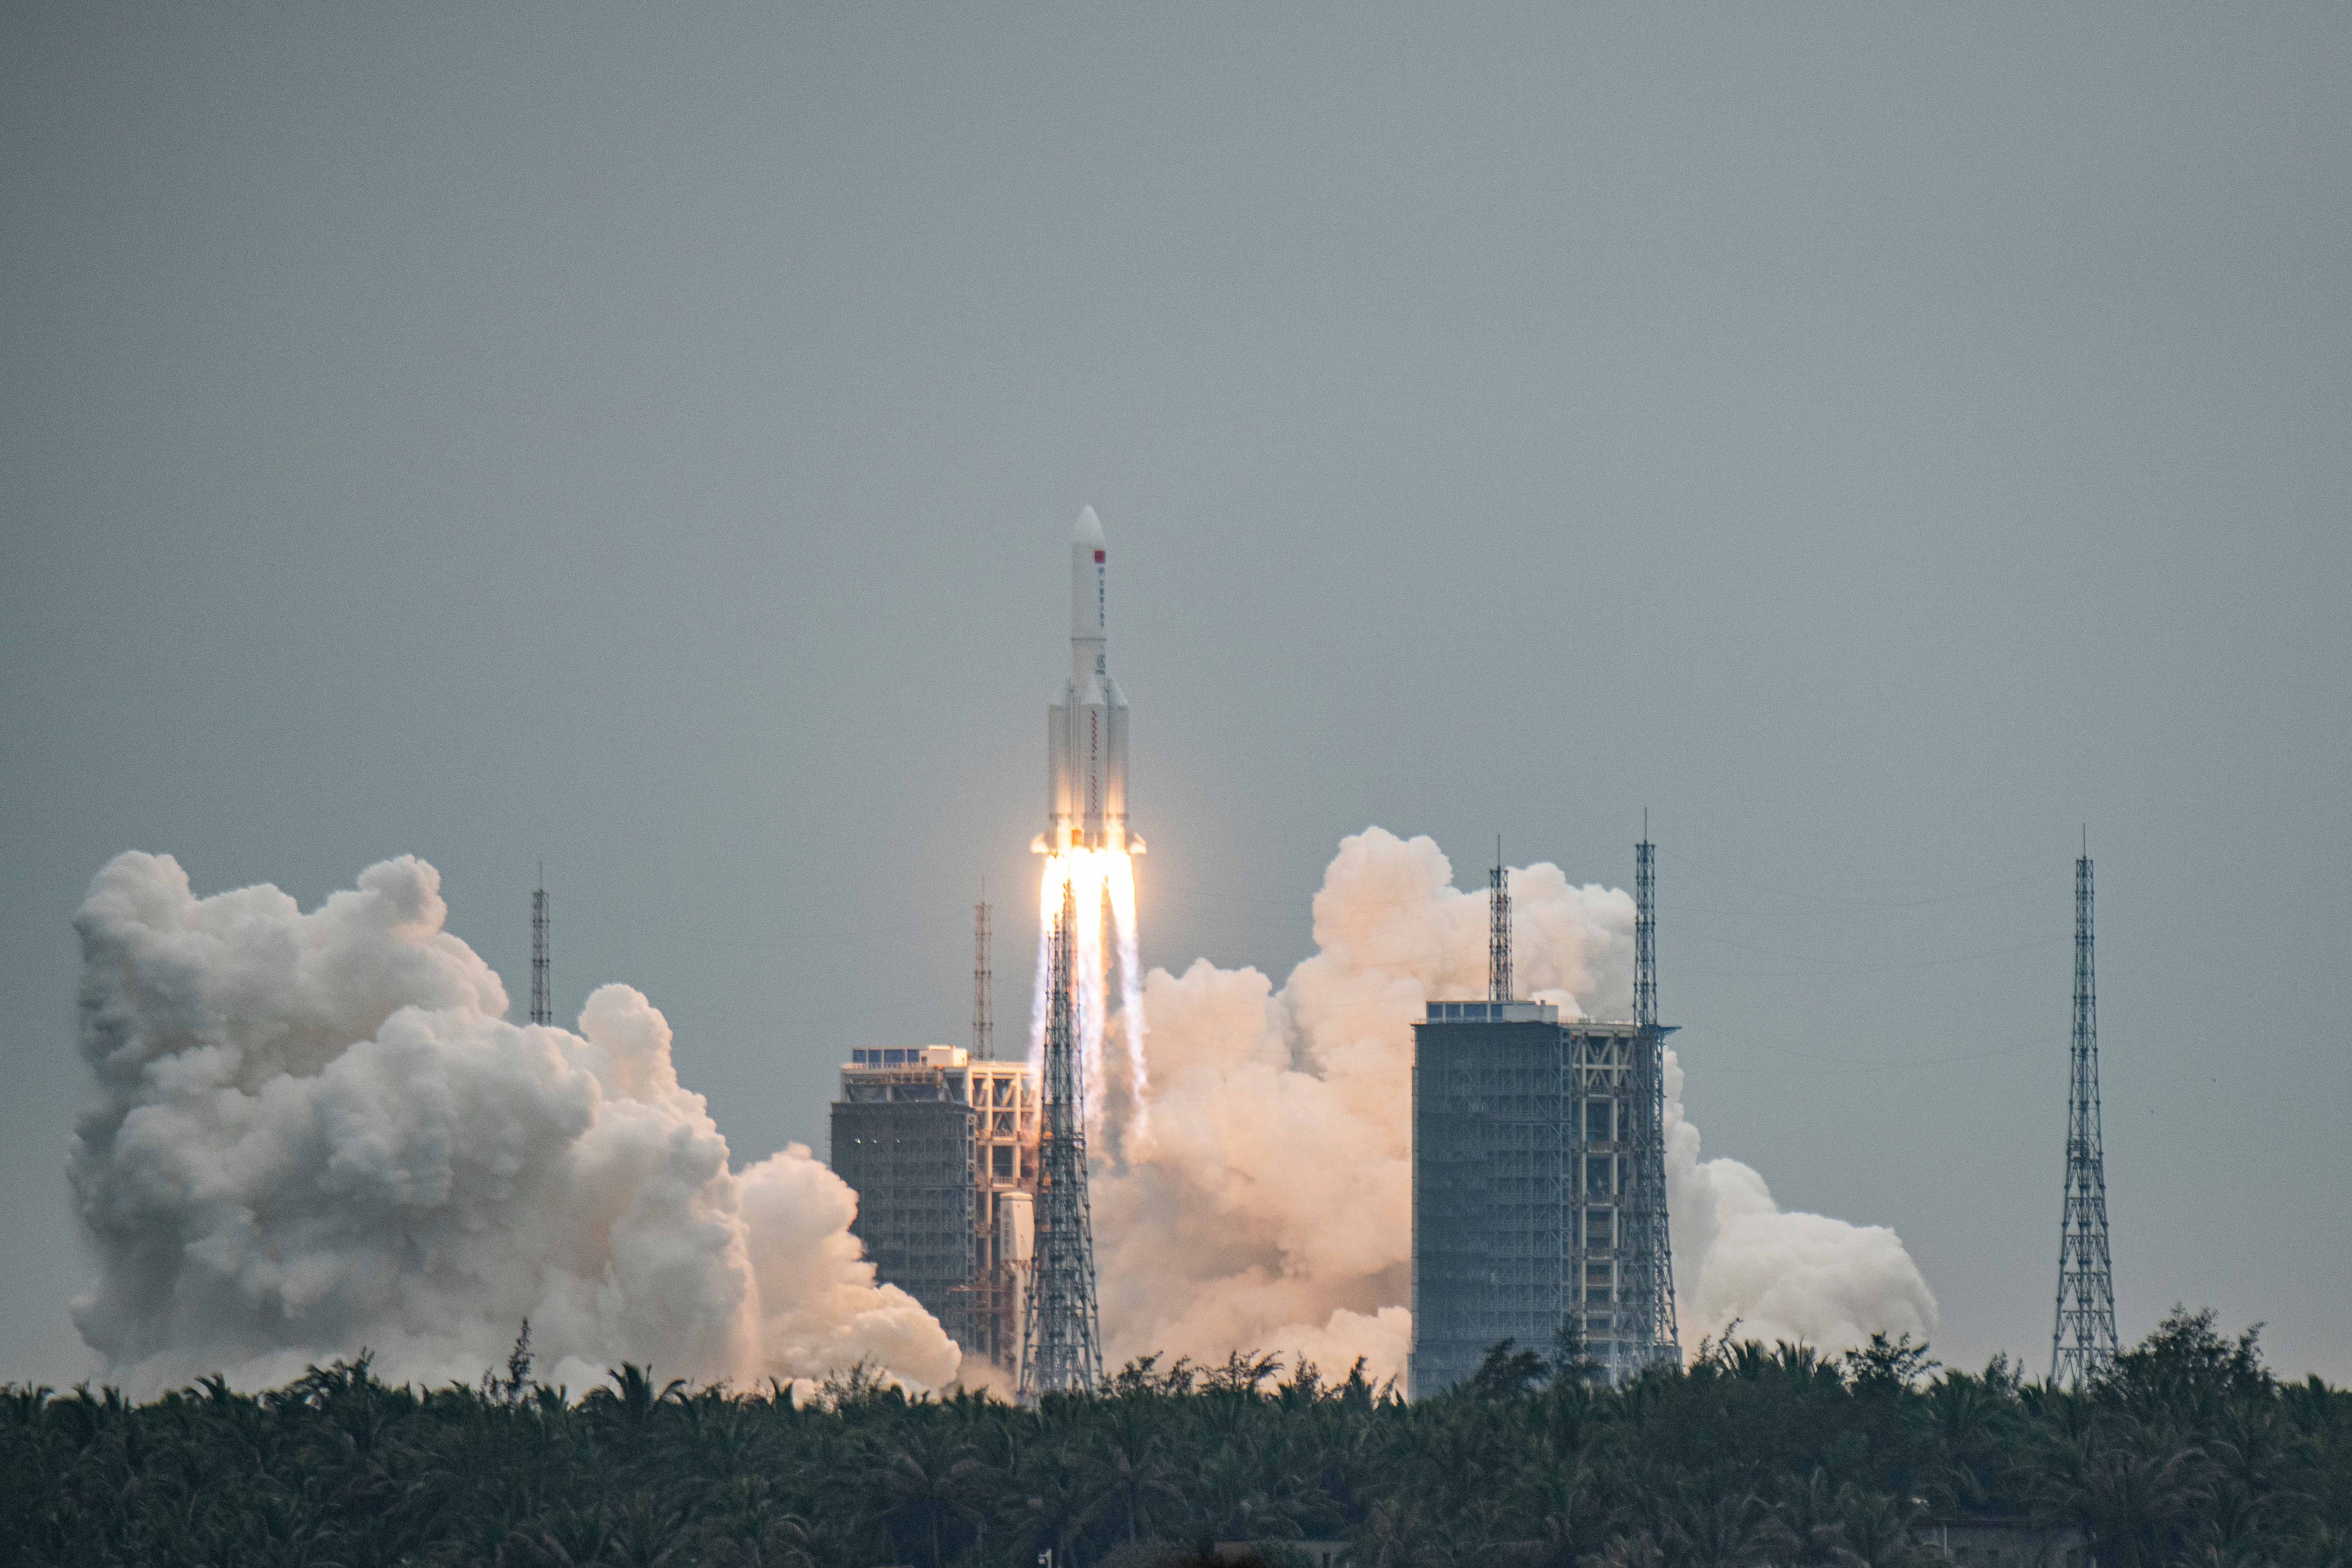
1876	441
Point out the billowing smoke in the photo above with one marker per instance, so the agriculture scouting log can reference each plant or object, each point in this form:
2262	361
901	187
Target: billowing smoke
1268	1203
1804	1278
318	1131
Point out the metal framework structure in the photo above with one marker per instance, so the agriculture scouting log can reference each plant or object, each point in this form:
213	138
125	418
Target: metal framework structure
1646	928
1647	1321
1538	1178
1498	931
543	1005
2083	1341
1061	1339
983	985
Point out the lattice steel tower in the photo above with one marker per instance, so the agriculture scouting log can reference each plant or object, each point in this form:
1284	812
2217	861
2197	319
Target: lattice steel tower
983	984
1061	1333
1647	1309
2083	1341
1498	931
543	1005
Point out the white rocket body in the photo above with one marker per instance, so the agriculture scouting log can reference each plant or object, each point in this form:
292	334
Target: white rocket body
1086	731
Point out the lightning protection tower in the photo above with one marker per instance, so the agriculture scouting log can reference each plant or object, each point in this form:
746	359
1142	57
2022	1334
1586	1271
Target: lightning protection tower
1061	1333
1651	1336
542	1005
983	984
1498	931
2083	1341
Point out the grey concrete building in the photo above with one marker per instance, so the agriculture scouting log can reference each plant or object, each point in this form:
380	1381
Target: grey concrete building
1537	1190
942	1150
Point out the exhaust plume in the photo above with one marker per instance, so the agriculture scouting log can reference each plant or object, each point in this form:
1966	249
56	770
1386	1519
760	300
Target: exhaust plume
1268	1202
316	1133
1101	882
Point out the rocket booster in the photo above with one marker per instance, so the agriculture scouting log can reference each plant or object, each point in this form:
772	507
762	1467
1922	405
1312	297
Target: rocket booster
1086	731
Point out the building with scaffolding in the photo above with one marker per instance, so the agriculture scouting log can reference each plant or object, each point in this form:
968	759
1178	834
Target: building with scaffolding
942	1150
1539	1176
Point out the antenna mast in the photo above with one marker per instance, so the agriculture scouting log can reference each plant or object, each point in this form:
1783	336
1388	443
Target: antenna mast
1061	1333
1645	929
542	1005
1498	931
983	984
2083	1343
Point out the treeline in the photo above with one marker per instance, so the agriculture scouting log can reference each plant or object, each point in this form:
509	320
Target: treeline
2190	1452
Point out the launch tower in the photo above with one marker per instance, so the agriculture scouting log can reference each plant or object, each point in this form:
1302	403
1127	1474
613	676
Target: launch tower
1062	1334
2083	1341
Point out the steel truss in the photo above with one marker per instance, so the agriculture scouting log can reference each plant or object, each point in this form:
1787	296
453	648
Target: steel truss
1061	1333
2083	1341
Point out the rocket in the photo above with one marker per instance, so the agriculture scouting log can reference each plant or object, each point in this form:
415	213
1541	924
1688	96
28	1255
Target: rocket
1086	731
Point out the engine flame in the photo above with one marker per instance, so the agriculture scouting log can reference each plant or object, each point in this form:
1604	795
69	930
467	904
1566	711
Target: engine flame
1101	881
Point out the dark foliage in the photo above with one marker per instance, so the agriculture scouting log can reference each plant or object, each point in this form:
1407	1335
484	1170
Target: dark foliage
2191	1452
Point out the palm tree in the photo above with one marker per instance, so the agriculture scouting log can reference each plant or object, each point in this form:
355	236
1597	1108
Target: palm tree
1050	1516
1398	1535
928	1493
1722	1531
2127	1491
634	1405
1812	1516
1877	1531
1126	1474
1549	1528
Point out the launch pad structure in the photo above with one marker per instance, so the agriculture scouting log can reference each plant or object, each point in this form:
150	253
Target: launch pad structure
942	1150
1061	1341
940	1146
1538	1174
972	1172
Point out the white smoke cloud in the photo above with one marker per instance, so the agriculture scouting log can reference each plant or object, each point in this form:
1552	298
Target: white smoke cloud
1269	1202
318	1131
1804	1278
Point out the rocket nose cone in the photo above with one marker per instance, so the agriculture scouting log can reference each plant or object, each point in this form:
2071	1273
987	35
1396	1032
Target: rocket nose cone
1089	529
